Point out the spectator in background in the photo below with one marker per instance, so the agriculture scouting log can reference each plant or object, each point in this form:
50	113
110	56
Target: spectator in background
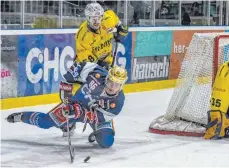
108	5
45	7
163	11
195	11
5	6
141	10
137	12
101	2
135	20
185	17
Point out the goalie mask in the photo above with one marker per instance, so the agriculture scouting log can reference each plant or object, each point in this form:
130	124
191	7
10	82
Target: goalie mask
94	14
117	77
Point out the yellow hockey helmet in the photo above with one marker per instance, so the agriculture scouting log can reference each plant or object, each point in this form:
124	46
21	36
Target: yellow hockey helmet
118	75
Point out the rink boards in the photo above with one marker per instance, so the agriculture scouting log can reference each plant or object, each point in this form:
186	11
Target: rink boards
34	61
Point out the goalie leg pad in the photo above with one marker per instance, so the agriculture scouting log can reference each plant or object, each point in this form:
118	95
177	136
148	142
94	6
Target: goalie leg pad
217	125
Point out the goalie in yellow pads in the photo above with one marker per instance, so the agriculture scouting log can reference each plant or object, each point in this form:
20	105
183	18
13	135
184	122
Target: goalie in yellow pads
218	116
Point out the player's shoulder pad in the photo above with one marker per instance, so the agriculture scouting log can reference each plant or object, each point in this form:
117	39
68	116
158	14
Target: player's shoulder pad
99	70
119	100
122	95
99	74
109	14
80	35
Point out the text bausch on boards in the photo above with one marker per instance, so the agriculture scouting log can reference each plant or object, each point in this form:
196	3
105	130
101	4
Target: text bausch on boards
150	70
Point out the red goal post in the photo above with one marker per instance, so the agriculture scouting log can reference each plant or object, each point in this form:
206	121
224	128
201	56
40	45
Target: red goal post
217	51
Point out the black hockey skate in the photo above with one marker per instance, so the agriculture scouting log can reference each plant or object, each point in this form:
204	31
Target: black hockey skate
15	117
91	137
72	127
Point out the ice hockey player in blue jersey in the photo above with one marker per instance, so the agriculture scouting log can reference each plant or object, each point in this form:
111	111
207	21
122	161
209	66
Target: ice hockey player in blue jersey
99	99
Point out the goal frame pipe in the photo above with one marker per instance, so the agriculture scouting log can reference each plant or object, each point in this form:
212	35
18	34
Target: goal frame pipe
216	54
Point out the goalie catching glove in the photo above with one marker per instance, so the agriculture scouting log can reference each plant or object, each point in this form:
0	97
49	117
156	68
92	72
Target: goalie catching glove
218	120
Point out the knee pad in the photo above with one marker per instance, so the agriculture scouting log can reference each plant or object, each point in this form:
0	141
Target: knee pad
105	137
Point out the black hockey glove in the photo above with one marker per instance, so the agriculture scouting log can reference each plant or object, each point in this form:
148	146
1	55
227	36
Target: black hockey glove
122	32
66	92
73	73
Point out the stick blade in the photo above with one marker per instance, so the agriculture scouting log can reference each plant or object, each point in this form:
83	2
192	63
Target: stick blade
72	155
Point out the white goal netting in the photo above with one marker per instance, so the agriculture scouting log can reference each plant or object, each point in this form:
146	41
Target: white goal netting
187	110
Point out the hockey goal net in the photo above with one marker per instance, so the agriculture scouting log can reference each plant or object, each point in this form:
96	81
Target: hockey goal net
187	111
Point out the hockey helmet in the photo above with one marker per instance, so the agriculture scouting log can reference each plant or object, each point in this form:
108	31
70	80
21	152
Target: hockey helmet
94	14
117	77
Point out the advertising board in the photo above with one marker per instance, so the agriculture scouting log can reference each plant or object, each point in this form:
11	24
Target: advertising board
43	60
180	44
150	68
9	66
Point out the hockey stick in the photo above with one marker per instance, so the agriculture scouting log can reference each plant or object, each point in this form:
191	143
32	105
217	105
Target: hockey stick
71	149
115	52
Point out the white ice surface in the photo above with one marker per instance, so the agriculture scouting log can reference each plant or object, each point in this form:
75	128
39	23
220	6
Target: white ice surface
23	145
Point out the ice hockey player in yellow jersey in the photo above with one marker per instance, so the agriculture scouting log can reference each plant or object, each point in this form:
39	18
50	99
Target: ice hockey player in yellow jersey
218	116
93	43
93	39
